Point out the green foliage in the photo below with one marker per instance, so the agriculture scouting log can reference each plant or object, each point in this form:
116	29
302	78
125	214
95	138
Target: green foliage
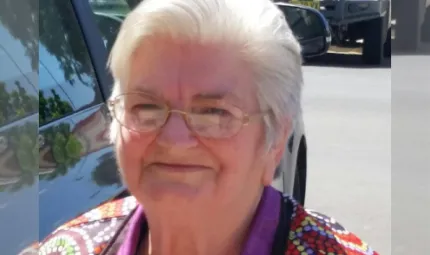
73	148
52	107
66	149
23	141
58	148
15	104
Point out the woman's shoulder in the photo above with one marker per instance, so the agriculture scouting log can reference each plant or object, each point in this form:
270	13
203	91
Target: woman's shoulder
313	232
310	232
90	232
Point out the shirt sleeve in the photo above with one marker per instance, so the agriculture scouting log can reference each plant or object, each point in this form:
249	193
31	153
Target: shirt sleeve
315	233
89	233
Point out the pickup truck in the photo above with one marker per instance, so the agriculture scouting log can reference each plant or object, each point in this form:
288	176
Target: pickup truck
354	20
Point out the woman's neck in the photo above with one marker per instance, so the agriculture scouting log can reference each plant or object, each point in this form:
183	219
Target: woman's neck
201	233
190	244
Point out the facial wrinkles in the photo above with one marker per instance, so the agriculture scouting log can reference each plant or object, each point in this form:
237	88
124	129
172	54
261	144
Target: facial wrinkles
170	72
178	71
207	68
199	69
182	65
154	69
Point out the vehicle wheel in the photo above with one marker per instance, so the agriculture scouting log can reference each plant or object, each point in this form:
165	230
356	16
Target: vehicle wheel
387	44
299	190
373	42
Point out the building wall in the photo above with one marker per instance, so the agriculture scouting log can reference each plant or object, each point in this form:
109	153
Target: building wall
410	16
424	42
407	16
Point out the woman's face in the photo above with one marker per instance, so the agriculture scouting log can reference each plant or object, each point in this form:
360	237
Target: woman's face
174	165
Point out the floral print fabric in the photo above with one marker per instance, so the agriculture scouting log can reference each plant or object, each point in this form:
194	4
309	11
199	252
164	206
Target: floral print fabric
315	233
311	233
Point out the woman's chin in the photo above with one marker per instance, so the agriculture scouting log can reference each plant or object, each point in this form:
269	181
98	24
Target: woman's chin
175	190
164	184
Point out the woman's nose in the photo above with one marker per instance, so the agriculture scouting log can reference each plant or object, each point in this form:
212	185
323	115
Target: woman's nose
175	132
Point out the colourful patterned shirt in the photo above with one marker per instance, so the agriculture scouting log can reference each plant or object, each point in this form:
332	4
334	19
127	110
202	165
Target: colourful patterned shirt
260	237
105	230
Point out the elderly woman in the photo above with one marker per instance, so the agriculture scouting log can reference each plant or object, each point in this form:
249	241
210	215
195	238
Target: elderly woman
205	96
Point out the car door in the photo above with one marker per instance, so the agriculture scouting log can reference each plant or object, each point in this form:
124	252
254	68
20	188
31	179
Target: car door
58	163
18	126
77	170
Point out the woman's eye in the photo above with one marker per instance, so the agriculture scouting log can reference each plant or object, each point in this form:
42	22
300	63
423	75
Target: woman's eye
213	111
147	107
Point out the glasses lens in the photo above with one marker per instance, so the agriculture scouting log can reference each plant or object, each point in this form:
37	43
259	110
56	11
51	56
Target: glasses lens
214	121
140	112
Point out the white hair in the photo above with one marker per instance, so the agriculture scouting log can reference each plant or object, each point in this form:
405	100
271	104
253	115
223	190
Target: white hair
258	27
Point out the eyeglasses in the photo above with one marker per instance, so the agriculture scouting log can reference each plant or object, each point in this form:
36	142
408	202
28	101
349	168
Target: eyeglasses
209	118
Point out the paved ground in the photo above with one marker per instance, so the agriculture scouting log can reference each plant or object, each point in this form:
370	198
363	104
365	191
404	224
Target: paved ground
410	155
347	113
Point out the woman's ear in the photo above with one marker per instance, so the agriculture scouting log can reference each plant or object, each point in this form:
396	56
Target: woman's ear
276	153
280	145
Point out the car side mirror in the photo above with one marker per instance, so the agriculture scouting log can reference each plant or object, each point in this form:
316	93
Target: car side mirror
309	27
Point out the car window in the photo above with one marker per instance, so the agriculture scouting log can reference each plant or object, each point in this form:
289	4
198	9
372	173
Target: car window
67	81
18	72
109	15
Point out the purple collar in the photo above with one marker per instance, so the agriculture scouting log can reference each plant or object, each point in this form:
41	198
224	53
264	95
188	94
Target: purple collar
131	239
264	224
260	239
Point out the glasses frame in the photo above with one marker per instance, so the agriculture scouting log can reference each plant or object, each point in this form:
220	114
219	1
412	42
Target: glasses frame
245	118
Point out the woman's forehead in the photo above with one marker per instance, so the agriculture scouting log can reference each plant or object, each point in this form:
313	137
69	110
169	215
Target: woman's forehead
191	70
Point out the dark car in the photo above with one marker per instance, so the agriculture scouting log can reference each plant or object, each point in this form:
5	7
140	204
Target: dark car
55	158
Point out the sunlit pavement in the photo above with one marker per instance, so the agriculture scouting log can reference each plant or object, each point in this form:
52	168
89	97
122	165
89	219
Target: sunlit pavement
347	115
348	51
410	154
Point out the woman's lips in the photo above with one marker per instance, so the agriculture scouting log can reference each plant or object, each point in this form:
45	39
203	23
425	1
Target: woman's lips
178	167
185	175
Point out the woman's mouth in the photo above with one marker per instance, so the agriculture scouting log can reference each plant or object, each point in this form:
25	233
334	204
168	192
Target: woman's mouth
178	167
174	176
